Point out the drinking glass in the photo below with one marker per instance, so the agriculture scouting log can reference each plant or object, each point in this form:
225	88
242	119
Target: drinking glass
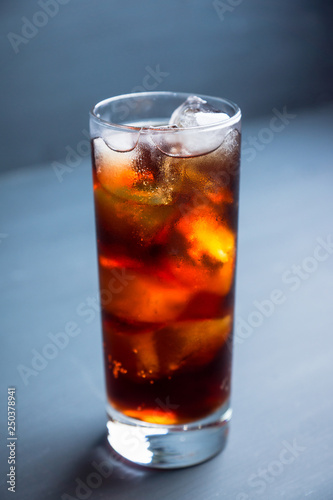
166	207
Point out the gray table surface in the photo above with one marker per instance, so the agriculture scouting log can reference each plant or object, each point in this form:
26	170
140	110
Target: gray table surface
283	369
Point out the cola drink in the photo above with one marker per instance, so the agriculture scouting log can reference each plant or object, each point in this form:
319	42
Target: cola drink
166	206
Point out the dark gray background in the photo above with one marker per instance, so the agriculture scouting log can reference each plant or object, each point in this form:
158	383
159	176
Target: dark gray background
259	53
263	55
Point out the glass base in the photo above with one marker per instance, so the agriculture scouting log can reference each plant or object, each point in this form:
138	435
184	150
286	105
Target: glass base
168	446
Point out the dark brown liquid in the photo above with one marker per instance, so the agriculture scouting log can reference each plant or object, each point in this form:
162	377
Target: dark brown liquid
166	230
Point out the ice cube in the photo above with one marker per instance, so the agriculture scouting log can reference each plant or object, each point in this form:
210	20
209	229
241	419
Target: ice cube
188	345
196	112
210	252
144	298
181	346
192	137
118	139
143	175
215	174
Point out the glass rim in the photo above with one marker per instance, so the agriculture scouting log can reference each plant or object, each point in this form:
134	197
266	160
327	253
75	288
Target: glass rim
227	122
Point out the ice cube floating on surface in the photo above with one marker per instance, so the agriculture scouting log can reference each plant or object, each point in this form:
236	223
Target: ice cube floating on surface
196	112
